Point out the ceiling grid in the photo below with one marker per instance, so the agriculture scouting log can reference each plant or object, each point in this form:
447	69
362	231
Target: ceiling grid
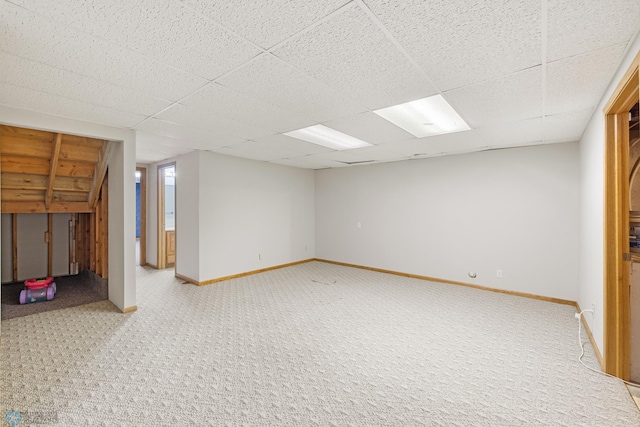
234	77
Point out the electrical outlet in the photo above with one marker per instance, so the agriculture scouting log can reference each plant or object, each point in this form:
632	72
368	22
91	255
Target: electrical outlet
259	255
499	273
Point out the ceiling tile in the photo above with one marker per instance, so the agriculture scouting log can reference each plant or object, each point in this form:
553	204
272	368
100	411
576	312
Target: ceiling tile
154	148
461	42
165	30
363	155
349	53
273	81
505	99
266	22
578	26
369	127
44	78
27	35
27	99
566	127
513	134
204	119
221	101
293	144
310	162
578	82
201	139
450	143
259	151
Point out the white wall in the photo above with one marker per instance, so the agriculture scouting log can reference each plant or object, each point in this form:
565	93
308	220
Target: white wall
515	210
122	203
7	254
60	236
187	215
32	249
591	256
249	208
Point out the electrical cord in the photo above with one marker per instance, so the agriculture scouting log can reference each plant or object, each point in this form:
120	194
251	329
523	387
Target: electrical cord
579	316
324	283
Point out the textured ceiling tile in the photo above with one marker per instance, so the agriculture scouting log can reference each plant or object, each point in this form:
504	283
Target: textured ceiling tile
293	144
375	153
44	78
579	26
165	30
310	162
513	134
578	82
200	138
266	22
351	54
567	126
461	42
259	151
204	119
506	99
450	143
153	148
224	102
305	162
369	127
271	80
18	97
25	34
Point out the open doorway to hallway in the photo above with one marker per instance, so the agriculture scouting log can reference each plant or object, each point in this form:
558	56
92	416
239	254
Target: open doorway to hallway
166	215
141	216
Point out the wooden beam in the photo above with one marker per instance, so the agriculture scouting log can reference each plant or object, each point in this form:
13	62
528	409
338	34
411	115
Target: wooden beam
100	171
53	168
27	165
21	181
68	183
39	207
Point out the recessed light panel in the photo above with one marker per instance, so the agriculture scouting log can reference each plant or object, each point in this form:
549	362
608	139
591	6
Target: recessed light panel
425	117
327	137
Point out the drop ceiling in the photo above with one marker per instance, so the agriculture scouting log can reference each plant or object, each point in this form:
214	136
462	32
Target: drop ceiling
233	76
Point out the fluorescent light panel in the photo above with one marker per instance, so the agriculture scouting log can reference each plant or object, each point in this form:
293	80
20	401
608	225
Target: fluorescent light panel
425	117
327	137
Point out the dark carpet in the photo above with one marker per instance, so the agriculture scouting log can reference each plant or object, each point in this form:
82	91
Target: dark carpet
80	289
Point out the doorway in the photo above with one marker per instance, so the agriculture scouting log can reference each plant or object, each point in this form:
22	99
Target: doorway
141	216
166	215
617	254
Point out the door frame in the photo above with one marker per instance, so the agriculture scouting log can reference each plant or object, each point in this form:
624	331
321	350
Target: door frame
617	339
162	244
143	214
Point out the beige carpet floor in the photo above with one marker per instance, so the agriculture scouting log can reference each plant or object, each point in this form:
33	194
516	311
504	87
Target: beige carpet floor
309	345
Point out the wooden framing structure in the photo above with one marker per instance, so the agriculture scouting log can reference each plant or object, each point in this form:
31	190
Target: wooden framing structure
616	224
45	172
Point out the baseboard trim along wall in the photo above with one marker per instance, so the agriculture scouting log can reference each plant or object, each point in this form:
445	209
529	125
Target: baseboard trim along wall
452	282
235	276
130	309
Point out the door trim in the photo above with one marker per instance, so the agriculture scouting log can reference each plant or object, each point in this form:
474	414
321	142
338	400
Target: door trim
616	223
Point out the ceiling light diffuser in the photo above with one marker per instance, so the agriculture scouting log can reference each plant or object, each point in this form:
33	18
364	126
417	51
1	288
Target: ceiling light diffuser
327	137
425	117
